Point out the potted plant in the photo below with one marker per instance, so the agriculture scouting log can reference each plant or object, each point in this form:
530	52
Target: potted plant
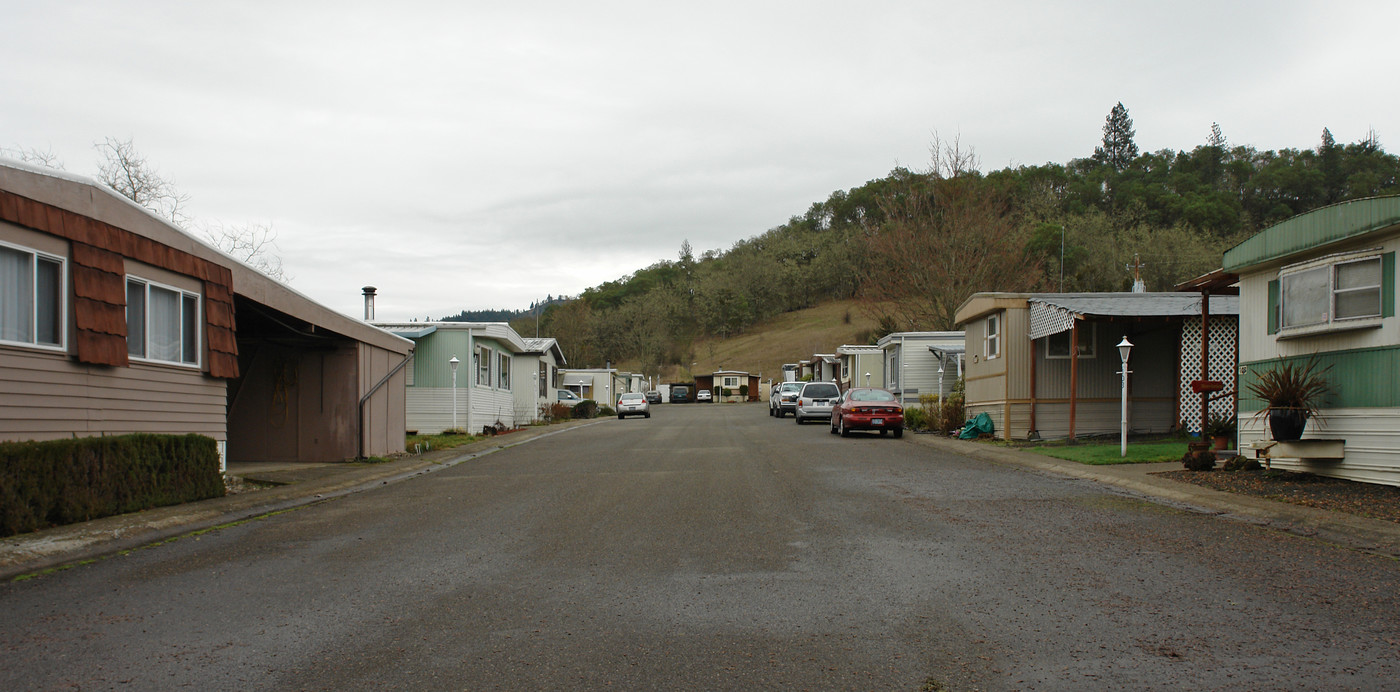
1220	429
1292	393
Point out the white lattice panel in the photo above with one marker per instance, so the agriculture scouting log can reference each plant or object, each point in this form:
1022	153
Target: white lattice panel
1224	355
1048	319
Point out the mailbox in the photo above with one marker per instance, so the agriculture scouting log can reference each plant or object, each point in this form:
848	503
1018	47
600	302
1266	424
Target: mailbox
1200	386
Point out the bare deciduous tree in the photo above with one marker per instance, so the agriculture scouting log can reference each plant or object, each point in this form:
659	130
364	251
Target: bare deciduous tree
254	243
45	158
942	240
125	170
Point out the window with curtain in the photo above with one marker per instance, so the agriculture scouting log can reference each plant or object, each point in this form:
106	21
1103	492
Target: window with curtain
483	366
993	343
1347	287
503	373
31	297
162	323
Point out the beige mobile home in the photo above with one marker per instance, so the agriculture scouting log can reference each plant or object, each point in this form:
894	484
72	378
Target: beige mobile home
1046	365
861	366
114	321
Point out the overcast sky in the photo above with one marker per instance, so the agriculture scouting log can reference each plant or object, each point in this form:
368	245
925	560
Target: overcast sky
484	154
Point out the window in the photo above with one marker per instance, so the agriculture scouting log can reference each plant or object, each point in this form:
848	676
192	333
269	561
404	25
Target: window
543	378
1329	291
162	323
483	366
891	369
730	382
503	373
1057	345
993	344
31	297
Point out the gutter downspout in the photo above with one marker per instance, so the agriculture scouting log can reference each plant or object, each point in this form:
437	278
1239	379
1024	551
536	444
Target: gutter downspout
376	388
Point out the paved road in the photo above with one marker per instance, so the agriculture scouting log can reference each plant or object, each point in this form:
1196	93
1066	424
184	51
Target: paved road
713	547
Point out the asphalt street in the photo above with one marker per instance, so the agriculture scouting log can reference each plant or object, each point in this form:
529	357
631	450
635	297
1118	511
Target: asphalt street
714	547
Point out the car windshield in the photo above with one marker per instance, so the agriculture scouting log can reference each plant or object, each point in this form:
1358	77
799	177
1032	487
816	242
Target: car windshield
871	395
820	391
632	397
792	386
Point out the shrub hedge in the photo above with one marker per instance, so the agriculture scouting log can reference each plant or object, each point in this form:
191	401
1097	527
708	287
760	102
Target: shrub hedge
58	482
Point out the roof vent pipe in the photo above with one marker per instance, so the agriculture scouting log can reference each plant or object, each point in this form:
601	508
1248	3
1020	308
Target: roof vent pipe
369	303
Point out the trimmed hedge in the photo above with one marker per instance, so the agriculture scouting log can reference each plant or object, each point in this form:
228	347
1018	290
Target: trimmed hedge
59	482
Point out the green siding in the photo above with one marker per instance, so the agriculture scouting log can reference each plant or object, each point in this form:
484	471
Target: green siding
1314	229
1361	378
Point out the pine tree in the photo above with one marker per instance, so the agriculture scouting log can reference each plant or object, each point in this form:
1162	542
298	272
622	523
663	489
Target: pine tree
1329	157
1118	149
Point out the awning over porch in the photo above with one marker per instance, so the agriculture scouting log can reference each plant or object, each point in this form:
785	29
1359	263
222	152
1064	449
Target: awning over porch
1052	313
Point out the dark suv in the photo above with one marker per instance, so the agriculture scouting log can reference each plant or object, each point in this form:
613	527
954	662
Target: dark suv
679	395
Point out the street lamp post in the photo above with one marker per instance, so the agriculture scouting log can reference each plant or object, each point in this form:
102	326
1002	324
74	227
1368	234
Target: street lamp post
452	364
940	385
1124	348
867	379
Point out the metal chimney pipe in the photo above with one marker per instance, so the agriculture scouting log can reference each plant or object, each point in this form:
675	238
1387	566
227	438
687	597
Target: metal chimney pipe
369	303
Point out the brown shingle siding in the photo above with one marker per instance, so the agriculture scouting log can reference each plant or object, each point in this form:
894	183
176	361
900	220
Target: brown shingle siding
100	288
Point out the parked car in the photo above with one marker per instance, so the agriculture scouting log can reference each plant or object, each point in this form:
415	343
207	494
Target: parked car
815	400
867	408
784	398
653	397
703	396
679	394
633	404
569	398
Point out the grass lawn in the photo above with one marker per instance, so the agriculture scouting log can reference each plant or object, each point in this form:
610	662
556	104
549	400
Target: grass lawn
1099	453
431	442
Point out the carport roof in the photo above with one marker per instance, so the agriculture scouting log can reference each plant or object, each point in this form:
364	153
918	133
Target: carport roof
1052	313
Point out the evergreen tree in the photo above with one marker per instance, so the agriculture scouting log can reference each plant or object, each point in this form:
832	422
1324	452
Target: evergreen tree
1329	157
1118	149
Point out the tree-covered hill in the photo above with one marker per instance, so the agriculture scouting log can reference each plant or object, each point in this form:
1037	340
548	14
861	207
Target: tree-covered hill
913	245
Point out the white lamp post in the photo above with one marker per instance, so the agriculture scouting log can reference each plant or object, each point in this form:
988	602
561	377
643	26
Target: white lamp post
867	379
1124	348
940	385
452	364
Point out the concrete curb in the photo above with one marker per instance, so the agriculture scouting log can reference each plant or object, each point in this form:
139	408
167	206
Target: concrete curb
75	543
1360	533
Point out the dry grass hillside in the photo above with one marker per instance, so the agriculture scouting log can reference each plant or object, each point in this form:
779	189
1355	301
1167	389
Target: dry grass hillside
787	338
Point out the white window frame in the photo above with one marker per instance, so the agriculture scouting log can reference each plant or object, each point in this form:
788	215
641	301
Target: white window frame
1086	345
34	257
730	382
503	371
1330	321
198	331
483	366
992	345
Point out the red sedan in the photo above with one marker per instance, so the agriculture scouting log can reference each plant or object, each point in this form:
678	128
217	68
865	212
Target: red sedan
867	408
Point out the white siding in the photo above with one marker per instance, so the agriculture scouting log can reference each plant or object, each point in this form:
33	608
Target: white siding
1372	443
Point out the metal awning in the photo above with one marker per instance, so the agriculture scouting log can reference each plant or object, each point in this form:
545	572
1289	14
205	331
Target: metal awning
411	332
1052	313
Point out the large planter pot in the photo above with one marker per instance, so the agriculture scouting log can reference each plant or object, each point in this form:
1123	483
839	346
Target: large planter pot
1287	423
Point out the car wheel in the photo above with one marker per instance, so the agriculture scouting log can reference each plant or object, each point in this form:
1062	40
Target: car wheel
898	433
648	415
842	424
796	418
